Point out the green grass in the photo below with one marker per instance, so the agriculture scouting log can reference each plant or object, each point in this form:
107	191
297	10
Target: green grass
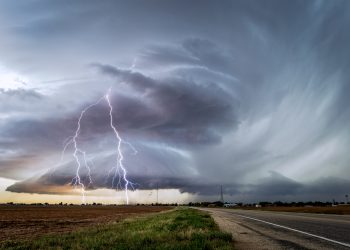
177	229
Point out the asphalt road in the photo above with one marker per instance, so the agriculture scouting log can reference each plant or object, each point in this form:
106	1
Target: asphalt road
283	230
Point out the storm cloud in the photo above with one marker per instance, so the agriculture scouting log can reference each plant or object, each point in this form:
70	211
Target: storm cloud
249	95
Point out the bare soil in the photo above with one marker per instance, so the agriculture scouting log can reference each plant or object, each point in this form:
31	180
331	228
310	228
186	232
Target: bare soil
23	222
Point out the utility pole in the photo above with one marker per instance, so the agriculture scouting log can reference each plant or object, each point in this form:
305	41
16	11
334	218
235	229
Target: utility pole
157	192
221	195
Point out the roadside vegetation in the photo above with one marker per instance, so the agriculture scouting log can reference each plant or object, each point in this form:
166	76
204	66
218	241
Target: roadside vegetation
182	228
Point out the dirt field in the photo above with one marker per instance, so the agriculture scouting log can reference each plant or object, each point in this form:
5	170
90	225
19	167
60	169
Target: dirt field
342	209
21	222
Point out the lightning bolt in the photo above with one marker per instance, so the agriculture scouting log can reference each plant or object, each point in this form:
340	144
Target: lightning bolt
120	156
80	155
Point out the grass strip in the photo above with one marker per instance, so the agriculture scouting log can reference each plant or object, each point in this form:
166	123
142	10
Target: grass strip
183	228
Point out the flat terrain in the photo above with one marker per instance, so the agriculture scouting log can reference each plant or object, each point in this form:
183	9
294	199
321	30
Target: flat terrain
21	222
180	228
283	230
342	209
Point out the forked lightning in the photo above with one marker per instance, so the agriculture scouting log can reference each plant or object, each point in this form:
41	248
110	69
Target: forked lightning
80	156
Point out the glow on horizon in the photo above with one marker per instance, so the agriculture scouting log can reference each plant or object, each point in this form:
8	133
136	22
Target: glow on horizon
105	196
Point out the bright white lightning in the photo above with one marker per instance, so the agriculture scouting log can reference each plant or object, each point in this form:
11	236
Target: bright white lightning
120	156
120	171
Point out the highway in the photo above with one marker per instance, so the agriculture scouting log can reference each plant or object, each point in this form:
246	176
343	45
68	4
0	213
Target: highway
283	230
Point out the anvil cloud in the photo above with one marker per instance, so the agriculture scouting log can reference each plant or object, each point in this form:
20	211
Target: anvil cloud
250	95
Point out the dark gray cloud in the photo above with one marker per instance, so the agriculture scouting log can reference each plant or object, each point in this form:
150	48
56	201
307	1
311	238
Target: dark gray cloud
190	112
11	165
277	187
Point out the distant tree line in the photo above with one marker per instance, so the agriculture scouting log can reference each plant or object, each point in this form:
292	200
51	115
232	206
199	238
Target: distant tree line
199	204
268	204
87	204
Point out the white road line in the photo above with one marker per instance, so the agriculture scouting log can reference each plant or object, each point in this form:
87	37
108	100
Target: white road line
298	231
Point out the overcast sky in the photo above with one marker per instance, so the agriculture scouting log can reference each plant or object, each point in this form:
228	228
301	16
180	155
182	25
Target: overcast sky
251	95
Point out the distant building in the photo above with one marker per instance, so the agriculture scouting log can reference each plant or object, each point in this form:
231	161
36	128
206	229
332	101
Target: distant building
230	205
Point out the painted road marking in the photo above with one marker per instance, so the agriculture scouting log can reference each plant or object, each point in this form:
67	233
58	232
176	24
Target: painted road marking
298	231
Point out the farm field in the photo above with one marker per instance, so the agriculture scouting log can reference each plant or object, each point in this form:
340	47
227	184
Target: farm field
343	209
180	228
23	222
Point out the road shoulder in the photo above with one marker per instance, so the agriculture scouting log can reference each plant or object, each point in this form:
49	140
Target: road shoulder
251	233
243	236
